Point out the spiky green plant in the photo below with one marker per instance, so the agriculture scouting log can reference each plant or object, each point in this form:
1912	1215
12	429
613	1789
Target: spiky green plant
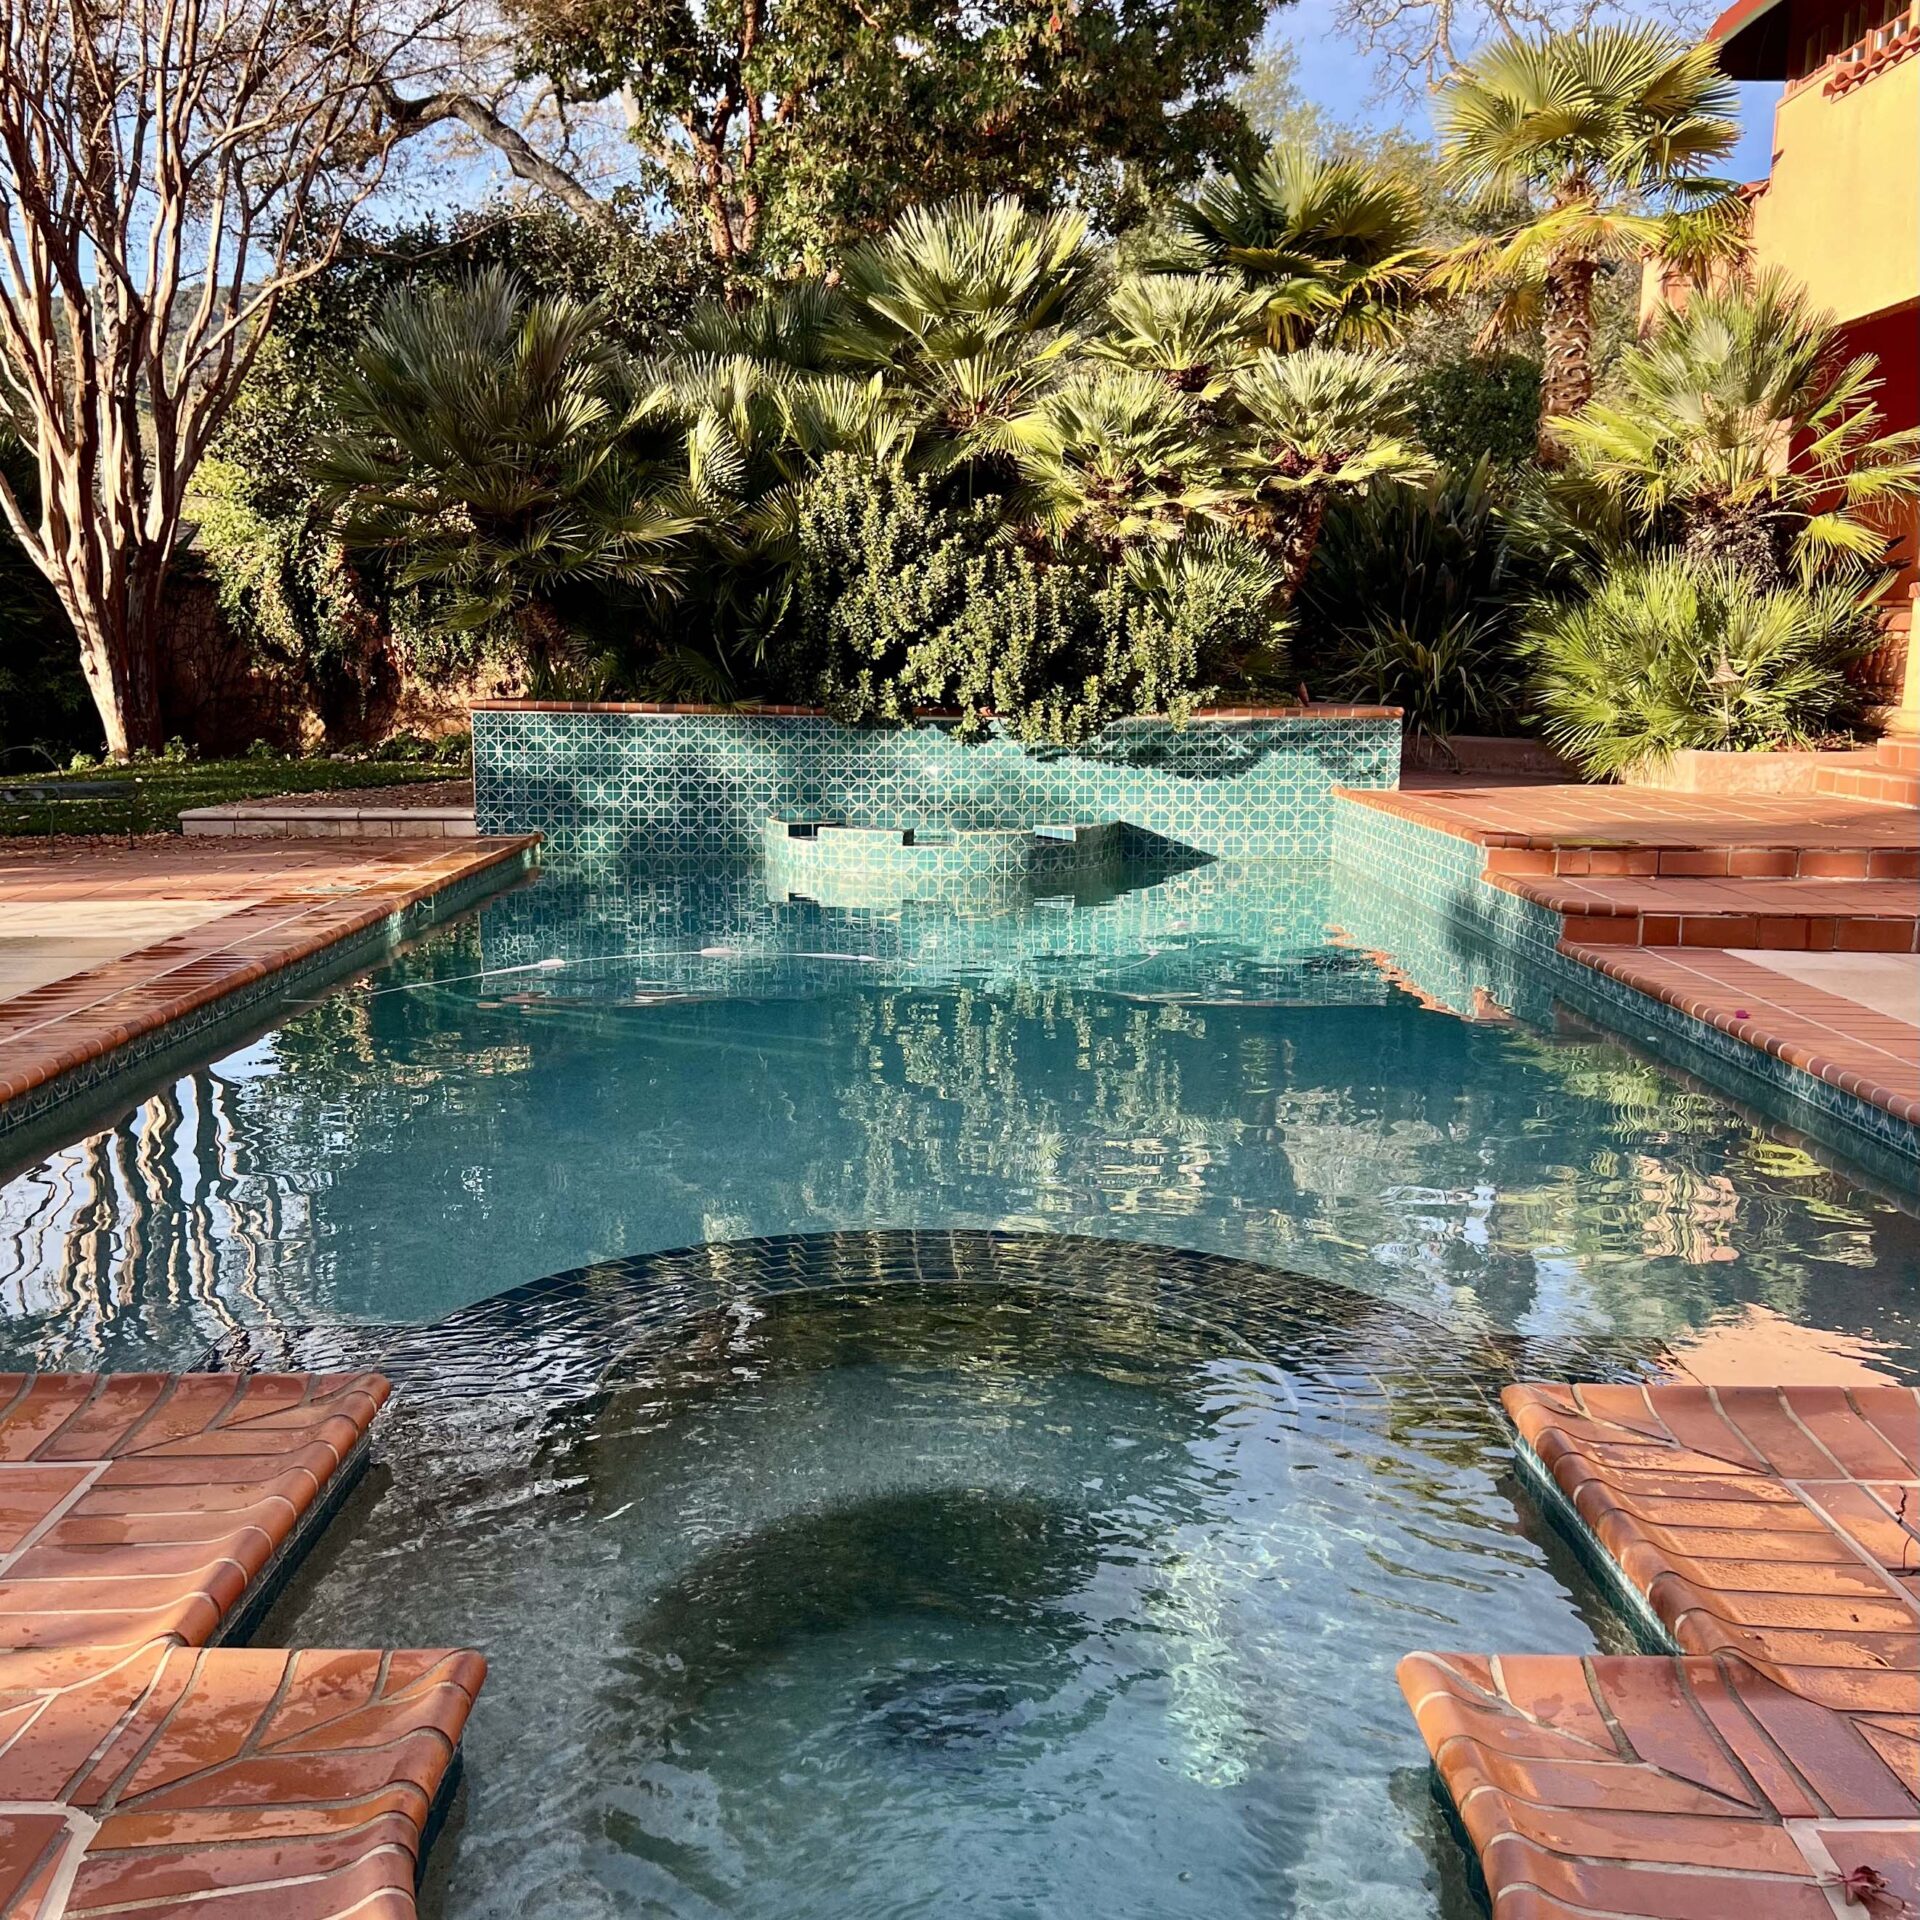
1115	456
1748	430
481	439
1588	149
1332	246
1413	600
1191	329
1314	425
1667	654
970	311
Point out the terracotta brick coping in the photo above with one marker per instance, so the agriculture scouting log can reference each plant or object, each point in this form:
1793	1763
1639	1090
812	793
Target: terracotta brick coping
143	1769
1770	1769
757	712
291	901
145	1506
1646	821
183	1785
1836	1040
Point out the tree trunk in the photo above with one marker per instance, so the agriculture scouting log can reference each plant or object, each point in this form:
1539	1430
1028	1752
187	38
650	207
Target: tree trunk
1566	327
120	653
1747	541
1296	537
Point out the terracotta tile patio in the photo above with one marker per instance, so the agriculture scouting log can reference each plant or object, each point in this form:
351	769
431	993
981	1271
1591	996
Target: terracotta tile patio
142	1770
160	929
1772	1769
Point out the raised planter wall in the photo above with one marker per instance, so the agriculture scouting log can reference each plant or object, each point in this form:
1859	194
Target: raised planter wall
614	781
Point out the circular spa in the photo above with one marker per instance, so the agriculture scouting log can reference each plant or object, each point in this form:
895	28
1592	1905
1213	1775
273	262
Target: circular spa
903	1574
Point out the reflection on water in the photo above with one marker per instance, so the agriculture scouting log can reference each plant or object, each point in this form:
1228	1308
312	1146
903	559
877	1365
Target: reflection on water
643	1059
902	1600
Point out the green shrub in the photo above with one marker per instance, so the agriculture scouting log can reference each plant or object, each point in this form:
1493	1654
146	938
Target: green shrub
1419	590
1451	676
1479	406
903	607
1665	655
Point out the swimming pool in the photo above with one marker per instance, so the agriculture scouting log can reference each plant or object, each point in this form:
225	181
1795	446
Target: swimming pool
1075	1391
633	1059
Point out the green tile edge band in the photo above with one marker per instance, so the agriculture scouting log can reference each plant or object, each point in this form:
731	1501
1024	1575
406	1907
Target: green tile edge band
1648	1628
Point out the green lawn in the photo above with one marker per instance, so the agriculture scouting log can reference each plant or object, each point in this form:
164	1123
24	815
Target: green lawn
149	798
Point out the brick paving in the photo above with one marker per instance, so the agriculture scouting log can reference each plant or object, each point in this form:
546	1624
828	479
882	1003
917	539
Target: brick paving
228	914
143	1771
1770	1769
1671	893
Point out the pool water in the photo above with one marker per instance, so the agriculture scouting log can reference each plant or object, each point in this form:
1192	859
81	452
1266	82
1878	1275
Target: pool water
609	1064
900	1599
1077	1391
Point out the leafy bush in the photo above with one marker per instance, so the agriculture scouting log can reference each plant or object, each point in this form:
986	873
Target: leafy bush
1413	601
1479	406
1667	654
905	607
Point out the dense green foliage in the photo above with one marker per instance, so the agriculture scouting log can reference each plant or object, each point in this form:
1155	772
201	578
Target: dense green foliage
781	130
1670	654
975	474
998	456
1692	447
1414	600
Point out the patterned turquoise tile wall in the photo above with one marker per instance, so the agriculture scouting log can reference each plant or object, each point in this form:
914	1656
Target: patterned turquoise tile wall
617	785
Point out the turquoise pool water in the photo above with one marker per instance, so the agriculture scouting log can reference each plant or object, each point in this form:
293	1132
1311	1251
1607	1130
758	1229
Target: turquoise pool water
635	1060
1053	1558
1047	1579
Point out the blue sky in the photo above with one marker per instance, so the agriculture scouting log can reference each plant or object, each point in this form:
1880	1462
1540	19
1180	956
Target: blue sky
1332	74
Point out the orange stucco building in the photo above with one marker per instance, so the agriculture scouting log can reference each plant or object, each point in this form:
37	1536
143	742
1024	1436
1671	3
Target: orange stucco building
1840	209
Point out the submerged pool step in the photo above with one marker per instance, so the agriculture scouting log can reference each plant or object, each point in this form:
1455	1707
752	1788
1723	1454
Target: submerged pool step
1846	916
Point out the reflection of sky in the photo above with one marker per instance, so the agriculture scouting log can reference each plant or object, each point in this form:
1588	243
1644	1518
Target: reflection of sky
1335	75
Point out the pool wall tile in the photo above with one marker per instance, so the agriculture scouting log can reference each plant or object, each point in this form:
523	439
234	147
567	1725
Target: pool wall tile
609	784
1451	933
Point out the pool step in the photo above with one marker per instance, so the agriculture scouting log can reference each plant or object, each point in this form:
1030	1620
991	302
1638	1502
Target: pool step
1814	915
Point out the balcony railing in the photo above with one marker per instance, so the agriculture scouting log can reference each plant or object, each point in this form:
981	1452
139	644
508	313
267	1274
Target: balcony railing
1846	53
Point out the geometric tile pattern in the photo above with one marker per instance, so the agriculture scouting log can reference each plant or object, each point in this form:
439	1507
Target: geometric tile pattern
1670	1789
174	1784
143	1507
615	781
1772	1766
840	866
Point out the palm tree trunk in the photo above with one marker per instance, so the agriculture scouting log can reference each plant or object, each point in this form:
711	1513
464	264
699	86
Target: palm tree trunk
1566	327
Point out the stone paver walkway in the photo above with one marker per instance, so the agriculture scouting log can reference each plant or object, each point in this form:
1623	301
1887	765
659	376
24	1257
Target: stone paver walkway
161	929
143	1771
1772	1769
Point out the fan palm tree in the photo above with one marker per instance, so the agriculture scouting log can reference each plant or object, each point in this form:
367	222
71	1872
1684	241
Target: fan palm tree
1191	329
1749	433
1588	149
1315	424
1116	456
481	438
1333	245
971	311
